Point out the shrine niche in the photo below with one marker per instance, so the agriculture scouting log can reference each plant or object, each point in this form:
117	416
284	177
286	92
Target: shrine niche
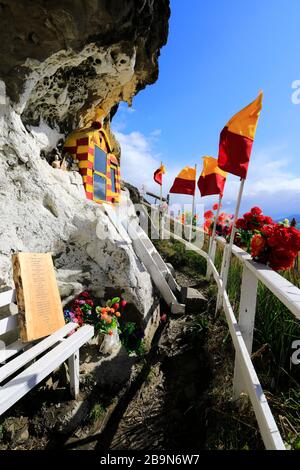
100	168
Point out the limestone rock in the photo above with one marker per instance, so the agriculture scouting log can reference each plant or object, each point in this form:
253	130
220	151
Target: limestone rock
62	59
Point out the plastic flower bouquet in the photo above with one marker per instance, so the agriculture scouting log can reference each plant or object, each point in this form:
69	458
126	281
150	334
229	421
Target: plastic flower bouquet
104	319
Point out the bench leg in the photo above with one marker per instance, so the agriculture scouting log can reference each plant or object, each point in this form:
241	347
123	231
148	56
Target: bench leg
73	363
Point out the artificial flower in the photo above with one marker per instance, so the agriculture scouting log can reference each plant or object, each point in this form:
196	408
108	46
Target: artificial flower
258	244
208	214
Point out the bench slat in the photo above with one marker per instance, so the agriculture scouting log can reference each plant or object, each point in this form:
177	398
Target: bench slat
30	377
8	323
15	364
7	297
12	349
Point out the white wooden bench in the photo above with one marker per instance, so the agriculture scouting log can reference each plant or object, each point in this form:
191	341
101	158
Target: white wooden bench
29	363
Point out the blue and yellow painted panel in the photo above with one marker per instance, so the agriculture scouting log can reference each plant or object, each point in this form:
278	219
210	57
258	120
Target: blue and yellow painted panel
99	167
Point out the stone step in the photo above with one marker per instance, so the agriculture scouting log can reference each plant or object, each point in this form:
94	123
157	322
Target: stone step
194	301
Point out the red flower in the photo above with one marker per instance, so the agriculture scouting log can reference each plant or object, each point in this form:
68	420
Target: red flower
227	230
84	294
241	223
215	206
258	244
207	226
163	317
260	219
281	259
248	216
295	243
89	302
281	237
208	214
267	230
268	220
221	217
256	211
78	311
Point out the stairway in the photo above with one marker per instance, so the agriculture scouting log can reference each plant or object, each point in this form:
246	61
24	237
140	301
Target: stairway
127	226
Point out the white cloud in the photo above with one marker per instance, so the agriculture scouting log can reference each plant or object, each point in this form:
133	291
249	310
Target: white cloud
156	133
139	161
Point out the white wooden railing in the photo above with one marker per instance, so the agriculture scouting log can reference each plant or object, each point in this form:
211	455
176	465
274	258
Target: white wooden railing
241	331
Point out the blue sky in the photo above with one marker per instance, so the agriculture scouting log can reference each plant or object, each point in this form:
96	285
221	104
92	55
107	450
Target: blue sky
218	56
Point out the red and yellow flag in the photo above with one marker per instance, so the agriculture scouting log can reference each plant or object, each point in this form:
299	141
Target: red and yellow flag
185	182
157	176
236	139
212	179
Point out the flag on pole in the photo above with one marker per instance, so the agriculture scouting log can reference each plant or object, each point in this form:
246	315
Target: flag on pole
236	139
212	179
185	182
157	176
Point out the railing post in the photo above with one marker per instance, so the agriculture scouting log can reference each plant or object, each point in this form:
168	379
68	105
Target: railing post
246	323
212	252
224	260
73	363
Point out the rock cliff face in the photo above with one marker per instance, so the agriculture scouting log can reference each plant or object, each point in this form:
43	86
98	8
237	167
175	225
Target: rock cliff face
63	64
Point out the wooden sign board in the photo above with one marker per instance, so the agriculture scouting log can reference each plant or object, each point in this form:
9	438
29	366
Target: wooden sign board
39	304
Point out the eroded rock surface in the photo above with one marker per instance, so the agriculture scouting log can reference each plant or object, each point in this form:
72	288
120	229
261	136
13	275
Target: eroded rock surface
63	59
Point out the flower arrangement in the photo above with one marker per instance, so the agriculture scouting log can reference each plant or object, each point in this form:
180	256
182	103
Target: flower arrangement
104	319
81	310
271	243
276	245
108	315
251	223
223	225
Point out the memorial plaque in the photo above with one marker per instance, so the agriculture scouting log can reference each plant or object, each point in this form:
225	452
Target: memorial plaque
39	304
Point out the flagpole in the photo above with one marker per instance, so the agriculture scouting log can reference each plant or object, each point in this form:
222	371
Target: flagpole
161	185
193	206
211	240
229	247
160	213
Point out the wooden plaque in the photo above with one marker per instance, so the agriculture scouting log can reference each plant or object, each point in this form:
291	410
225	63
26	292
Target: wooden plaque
39	304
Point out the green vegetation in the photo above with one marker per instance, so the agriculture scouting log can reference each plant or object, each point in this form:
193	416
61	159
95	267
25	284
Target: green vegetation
97	412
174	252
132	338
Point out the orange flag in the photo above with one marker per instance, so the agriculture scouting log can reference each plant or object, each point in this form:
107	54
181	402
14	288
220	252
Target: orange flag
212	179
236	139
185	182
157	176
